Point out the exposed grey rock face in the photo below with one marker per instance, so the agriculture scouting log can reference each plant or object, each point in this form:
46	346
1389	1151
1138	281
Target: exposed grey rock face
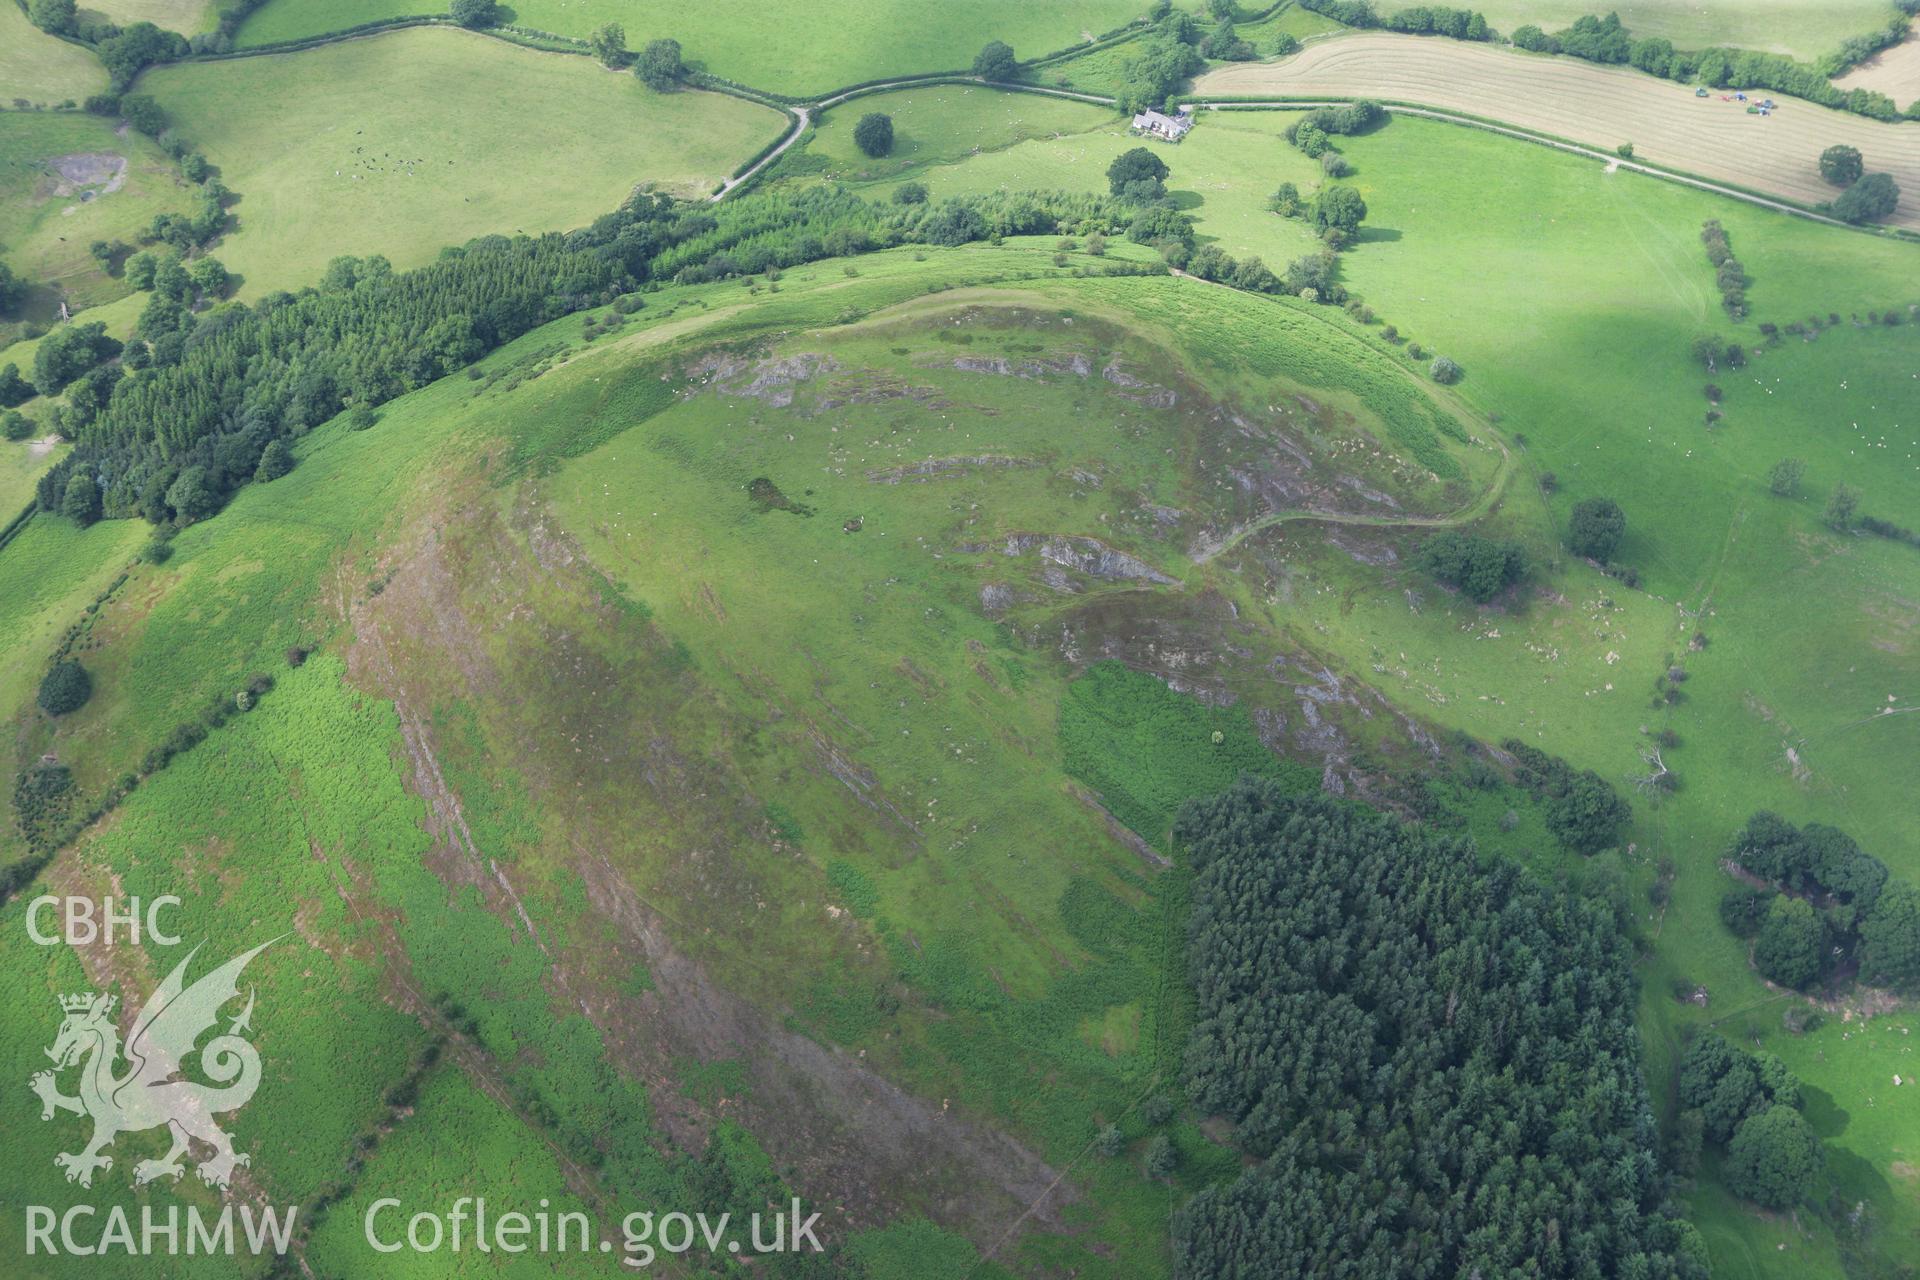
1089	555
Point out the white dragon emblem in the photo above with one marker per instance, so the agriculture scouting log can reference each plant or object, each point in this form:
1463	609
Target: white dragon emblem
150	1092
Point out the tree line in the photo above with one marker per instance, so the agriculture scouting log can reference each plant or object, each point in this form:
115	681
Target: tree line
1434	1066
1607	40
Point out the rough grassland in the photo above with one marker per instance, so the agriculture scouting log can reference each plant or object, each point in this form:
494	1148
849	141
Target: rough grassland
1804	29
47	220
783	47
1595	105
41	68
403	143
1894	72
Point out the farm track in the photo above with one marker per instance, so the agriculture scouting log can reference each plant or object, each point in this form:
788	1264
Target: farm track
1480	506
1707	140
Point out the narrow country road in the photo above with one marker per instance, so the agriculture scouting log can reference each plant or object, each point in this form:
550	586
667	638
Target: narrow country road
801	115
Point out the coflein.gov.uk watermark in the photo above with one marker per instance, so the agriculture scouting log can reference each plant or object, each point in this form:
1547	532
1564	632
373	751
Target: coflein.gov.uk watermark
162	1077
466	1225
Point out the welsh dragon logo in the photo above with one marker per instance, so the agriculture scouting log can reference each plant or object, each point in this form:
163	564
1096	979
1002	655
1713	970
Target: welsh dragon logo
151	1092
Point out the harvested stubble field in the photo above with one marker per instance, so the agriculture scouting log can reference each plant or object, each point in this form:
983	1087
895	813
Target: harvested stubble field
1594	105
1894	72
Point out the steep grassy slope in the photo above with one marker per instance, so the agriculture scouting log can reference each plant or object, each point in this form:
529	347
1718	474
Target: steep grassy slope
666	717
405	140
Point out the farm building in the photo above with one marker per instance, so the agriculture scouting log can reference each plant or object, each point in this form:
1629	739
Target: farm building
1157	124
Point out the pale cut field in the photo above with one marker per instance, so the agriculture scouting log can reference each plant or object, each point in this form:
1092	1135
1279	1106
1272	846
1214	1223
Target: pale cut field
188	17
1593	105
1803	29
1894	72
41	68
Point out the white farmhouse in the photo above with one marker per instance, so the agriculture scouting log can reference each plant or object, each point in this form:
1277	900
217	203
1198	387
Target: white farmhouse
1170	128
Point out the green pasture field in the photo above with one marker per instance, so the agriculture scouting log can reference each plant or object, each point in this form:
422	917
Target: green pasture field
448	157
1222	174
1101	70
47	219
48	574
780	48
43	69
1299	23
936	124
1804	29
21	464
430	1163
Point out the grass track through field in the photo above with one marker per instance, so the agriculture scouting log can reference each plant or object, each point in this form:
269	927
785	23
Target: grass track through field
1598	106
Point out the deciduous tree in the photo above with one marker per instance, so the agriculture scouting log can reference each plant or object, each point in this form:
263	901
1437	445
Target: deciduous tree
1775	1159
1841	165
874	134
659	66
1595	529
995	61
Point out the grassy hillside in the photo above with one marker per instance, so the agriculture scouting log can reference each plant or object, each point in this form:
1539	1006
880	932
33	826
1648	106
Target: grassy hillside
782	48
725	746
883	950
404	173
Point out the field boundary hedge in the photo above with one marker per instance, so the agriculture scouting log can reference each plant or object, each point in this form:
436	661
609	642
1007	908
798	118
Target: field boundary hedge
17	525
